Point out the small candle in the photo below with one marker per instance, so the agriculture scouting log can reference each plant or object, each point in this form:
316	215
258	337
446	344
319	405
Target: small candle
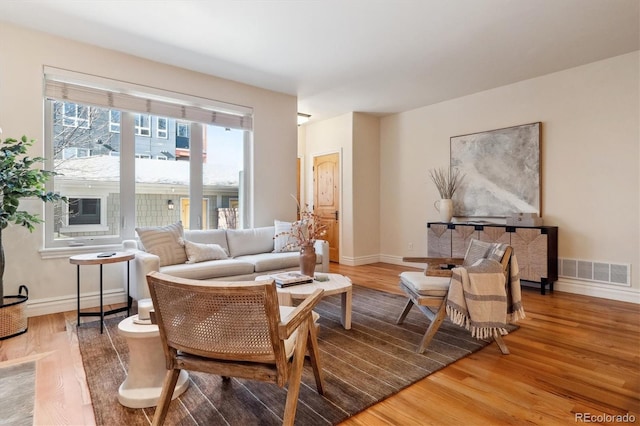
144	307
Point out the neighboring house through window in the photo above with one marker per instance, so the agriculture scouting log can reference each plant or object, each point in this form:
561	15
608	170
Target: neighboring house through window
84	211
114	121
108	164
143	125
162	128
76	115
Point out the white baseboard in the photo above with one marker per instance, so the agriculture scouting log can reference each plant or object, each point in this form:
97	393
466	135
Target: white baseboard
397	260
603	291
359	261
36	307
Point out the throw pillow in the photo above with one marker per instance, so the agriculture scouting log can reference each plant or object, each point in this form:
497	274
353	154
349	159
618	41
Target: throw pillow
242	242
164	242
198	252
283	241
477	250
496	252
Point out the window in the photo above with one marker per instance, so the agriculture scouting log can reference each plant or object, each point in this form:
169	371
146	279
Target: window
114	121
76	115
84	211
182	135
143	125
82	215
162	128
111	172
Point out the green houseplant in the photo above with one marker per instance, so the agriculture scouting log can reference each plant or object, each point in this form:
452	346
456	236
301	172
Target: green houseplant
18	180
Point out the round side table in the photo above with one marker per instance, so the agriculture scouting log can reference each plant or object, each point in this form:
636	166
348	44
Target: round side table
101	259
147	367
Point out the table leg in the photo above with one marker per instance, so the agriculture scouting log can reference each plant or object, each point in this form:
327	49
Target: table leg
285	299
346	309
128	294
101	305
78	293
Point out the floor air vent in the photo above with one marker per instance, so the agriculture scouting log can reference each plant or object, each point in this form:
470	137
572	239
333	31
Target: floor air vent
610	273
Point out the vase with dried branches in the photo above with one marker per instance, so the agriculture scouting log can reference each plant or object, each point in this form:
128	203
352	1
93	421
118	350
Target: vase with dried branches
303	235
447	181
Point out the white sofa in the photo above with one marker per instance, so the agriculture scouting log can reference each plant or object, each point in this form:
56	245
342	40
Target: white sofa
250	253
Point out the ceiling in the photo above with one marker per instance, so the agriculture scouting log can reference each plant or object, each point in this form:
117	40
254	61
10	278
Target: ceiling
336	56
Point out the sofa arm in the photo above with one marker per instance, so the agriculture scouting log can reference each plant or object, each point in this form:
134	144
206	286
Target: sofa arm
143	264
322	247
130	245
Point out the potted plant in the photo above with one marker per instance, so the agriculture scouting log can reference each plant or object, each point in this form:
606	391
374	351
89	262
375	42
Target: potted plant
447	181
18	180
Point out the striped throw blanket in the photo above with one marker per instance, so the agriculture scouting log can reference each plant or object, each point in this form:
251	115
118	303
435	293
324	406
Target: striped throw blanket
479	300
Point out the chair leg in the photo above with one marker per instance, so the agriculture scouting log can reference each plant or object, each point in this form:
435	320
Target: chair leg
295	375
501	344
433	327
168	385
405	311
314	355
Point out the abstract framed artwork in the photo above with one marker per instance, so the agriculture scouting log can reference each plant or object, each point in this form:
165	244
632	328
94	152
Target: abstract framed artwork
502	172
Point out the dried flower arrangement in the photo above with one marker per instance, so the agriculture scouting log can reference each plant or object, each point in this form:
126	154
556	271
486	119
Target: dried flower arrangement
306	230
447	181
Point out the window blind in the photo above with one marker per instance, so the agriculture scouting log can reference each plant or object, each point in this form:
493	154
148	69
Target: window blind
138	101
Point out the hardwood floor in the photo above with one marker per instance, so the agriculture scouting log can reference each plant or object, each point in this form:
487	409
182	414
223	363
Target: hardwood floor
573	356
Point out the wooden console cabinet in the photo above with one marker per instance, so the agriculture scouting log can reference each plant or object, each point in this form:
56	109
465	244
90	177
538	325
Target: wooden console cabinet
536	247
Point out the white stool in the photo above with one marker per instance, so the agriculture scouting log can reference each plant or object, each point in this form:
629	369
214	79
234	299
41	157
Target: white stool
147	367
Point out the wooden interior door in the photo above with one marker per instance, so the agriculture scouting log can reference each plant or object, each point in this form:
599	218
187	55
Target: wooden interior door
326	199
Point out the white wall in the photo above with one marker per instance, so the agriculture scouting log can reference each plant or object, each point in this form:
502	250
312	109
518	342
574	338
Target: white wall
356	137
24	53
590	163
325	137
366	181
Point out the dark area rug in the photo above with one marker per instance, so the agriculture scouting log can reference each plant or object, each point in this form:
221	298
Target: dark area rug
362	366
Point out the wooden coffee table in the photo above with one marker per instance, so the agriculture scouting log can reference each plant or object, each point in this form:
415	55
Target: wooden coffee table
337	284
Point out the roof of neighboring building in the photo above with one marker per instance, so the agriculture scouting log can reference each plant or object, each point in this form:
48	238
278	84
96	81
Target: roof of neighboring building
107	168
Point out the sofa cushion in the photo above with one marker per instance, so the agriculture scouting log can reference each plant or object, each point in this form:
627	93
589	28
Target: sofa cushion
283	241
197	252
250	241
164	242
425	285
208	236
209	269
265	262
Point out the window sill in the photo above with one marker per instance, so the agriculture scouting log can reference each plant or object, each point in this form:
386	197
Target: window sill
84	228
64	252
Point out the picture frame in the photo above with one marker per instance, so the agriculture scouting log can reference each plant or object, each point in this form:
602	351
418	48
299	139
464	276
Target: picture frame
501	171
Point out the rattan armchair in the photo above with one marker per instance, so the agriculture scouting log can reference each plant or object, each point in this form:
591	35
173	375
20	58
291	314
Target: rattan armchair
233	330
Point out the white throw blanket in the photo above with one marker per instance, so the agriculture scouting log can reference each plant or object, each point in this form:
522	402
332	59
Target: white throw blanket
479	301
